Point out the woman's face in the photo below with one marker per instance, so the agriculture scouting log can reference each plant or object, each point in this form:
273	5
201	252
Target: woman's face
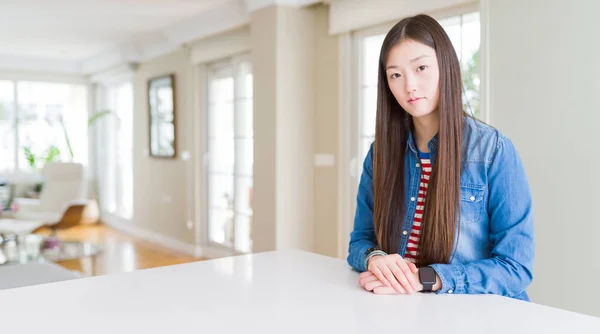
413	75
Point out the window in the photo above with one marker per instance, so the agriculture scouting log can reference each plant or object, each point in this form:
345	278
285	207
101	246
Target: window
41	122
230	152
115	148
464	32
8	149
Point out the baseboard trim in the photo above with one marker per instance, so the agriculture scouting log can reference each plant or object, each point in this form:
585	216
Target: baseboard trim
211	252
126	226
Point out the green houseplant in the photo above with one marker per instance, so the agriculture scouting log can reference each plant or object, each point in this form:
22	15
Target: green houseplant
37	161
471	82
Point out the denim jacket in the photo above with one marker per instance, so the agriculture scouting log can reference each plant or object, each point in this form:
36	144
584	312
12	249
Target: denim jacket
494	250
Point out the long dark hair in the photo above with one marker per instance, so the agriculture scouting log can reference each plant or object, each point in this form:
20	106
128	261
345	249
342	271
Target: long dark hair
438	227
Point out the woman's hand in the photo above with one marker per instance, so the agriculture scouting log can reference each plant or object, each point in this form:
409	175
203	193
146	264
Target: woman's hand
368	281
392	272
385	290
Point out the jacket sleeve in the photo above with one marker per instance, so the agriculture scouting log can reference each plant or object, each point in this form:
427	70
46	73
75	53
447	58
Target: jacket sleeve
363	235
508	271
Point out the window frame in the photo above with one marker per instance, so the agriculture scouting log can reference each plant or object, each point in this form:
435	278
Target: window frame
105	96
230	65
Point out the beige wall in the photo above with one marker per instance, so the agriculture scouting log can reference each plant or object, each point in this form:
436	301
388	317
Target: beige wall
295	108
544	76
284	106
326	134
161	186
264	55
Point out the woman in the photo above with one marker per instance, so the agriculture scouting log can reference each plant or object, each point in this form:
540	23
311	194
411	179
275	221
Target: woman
443	203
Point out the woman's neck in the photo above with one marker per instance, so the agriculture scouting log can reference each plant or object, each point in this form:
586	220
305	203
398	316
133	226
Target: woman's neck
426	127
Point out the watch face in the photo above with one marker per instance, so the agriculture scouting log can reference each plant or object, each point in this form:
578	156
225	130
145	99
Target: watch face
427	275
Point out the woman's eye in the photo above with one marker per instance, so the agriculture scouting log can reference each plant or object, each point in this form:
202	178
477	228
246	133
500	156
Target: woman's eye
395	76
421	68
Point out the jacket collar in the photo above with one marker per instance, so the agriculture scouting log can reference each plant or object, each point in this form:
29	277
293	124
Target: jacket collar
432	145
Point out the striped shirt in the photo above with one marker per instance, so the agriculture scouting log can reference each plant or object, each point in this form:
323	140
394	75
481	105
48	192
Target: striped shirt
412	248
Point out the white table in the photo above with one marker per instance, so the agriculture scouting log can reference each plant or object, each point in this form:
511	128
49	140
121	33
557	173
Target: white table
275	292
21	275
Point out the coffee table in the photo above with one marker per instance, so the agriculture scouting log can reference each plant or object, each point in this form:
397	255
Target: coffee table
33	248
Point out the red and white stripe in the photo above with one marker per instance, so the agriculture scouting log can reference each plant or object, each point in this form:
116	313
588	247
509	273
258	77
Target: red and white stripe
412	248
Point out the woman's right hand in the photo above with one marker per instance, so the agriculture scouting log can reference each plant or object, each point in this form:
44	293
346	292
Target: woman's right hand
393	271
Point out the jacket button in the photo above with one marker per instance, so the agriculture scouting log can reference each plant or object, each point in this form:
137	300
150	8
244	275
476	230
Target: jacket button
412	199
418	164
405	232
450	291
472	198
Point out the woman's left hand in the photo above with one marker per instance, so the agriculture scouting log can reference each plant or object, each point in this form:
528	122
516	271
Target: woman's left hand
370	282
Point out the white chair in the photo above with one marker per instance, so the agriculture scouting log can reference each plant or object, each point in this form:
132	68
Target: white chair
64	186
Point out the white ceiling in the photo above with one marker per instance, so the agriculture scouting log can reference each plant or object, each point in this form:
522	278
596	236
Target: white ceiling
73	30
88	36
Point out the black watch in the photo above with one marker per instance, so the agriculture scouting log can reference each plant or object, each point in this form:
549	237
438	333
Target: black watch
428	277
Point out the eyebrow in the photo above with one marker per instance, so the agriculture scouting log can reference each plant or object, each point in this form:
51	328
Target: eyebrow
412	61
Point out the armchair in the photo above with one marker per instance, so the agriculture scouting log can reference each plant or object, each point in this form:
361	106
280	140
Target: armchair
62	197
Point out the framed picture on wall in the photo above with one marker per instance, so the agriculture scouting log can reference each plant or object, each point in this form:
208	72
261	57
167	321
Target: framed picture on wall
162	110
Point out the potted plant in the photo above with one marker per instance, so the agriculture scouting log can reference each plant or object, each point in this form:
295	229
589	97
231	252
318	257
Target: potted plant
52	154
